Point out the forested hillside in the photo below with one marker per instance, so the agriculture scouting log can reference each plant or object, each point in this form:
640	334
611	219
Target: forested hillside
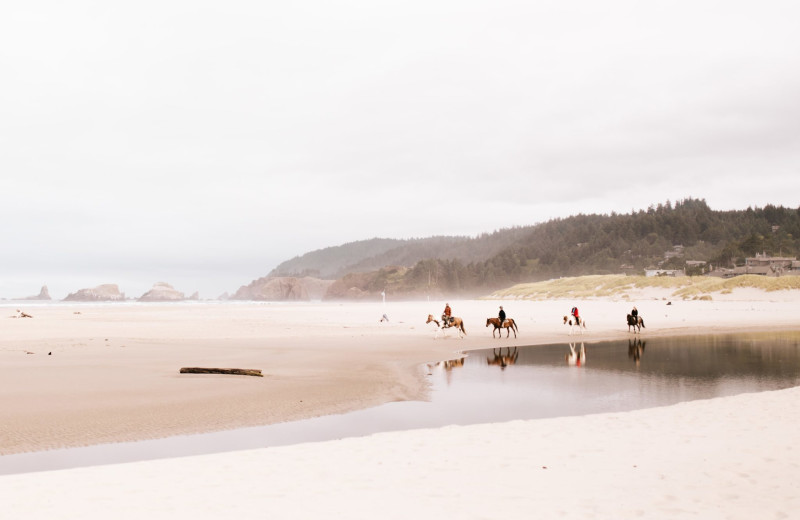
370	255
578	245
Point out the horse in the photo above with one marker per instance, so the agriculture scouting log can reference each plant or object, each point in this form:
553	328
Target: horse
456	322
635	322
503	360
579	322
509	324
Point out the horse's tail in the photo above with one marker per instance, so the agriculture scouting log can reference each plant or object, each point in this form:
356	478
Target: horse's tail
641	322
514	324
462	327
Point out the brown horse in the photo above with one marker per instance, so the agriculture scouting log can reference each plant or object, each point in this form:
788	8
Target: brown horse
455	321
509	324
635	322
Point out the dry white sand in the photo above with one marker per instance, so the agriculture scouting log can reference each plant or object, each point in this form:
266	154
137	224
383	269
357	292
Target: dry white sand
113	376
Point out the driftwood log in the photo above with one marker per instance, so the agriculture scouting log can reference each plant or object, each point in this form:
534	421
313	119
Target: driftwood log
232	371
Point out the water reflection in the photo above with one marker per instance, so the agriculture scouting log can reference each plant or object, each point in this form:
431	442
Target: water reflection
503	360
533	382
446	366
636	349
576	357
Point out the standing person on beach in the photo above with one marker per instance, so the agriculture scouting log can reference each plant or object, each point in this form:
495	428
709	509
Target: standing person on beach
502	315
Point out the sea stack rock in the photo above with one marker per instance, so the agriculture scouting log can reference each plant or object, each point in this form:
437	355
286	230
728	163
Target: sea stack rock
102	293
162	292
44	294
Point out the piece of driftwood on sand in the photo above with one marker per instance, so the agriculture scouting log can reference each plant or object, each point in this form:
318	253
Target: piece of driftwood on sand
232	371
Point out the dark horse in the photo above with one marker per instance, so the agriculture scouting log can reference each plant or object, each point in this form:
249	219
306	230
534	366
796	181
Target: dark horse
636	322
509	324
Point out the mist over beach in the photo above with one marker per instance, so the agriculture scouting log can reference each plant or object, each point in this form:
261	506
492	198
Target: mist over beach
223	217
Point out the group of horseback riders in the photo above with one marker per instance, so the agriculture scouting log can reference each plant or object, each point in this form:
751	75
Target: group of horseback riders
447	318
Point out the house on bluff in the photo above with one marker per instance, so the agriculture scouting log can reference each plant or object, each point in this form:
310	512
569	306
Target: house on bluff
765	265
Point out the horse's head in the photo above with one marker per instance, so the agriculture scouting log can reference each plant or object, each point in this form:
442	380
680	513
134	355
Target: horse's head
430	318
488	321
565	320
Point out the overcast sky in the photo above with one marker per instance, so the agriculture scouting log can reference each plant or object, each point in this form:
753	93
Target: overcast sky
201	143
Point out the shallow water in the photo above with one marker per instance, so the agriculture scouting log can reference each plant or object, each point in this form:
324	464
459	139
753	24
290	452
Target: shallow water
495	385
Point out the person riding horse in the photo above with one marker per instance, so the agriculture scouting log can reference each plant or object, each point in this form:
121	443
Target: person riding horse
502	316
447	319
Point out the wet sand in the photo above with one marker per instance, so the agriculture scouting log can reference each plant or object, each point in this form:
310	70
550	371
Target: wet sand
112	375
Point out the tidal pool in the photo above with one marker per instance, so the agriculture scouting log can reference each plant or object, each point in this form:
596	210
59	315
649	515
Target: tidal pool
501	384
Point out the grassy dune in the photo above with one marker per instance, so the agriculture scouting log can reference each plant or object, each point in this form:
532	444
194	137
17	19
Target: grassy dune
619	286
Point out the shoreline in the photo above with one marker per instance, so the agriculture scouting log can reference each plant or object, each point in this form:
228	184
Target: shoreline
120	382
728	457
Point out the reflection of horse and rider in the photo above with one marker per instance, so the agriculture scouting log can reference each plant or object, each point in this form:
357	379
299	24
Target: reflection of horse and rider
501	322
447	367
576	357
448	364
503	360
636	349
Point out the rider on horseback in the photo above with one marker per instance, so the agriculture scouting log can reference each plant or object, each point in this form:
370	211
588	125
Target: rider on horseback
446	318
502	316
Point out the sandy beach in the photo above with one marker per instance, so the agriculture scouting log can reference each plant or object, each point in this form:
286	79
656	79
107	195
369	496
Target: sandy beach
77	375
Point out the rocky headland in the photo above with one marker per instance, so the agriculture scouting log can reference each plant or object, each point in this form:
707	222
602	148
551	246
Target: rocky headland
283	289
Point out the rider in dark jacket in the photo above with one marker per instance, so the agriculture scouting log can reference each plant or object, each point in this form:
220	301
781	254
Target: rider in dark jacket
502	315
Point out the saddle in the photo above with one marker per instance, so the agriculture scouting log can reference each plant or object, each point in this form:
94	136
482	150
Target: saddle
447	321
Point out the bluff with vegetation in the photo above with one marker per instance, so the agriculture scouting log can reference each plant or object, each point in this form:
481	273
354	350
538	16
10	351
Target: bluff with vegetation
626	287
370	255
573	246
